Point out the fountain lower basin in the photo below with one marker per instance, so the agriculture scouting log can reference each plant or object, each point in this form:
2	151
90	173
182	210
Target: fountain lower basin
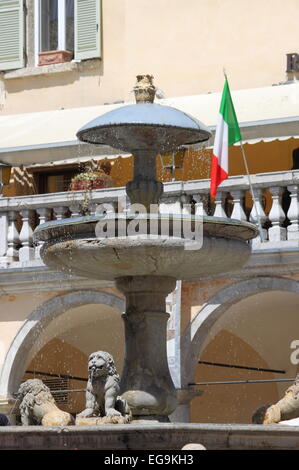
172	436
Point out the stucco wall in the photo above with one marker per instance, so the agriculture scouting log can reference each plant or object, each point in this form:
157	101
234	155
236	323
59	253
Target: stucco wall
14	309
185	45
234	403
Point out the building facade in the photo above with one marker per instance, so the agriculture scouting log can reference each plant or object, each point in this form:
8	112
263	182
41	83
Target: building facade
63	63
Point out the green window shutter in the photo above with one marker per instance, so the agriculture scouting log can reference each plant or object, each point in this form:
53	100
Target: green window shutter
87	29
11	34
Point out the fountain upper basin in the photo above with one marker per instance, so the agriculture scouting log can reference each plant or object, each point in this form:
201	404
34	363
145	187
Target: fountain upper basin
144	126
75	245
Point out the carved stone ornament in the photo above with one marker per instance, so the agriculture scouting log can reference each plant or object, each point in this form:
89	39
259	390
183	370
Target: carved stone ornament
103	403
37	406
144	89
284	410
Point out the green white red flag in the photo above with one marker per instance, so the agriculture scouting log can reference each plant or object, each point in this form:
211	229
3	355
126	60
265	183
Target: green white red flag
227	133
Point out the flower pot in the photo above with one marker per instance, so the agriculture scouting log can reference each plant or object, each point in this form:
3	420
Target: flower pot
54	57
100	183
103	181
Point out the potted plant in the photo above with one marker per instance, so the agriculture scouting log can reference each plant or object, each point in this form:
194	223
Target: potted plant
92	179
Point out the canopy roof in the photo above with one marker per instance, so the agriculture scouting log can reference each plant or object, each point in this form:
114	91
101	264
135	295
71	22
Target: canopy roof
263	114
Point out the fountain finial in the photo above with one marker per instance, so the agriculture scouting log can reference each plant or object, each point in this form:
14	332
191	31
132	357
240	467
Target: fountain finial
144	89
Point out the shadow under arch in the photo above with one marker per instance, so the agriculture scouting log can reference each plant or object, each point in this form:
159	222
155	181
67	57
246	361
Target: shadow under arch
194	336
16	356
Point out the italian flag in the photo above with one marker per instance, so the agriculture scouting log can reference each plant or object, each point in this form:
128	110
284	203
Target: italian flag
227	133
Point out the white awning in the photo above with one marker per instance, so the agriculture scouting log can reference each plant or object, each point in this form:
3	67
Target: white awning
258	140
267	139
263	113
76	160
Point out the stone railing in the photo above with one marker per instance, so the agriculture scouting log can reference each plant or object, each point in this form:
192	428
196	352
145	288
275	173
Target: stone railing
276	194
276	203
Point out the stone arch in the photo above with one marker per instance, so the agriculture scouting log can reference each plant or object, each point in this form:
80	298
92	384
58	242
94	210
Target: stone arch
211	311
16	356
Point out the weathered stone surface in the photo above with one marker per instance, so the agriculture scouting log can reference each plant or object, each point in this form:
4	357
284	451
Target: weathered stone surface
79	247
285	409
102	401
98	421
146	383
150	437
37	406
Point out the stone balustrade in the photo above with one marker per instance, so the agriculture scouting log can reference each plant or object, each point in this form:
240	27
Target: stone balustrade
276	202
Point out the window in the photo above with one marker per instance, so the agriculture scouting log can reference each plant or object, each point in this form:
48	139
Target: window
54	181
59	25
55	29
66	25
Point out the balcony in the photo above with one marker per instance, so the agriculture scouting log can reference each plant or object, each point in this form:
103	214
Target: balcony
277	203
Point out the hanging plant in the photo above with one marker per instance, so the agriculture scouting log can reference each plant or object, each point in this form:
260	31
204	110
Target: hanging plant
91	180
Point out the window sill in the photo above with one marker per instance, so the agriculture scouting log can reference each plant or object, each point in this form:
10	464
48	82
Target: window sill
52	69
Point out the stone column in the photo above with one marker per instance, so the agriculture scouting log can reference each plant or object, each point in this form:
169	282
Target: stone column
146	383
182	413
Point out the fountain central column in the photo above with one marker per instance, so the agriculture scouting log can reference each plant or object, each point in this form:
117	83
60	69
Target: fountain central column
144	188
146	383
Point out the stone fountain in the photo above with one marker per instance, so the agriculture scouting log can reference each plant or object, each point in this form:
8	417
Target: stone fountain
145	266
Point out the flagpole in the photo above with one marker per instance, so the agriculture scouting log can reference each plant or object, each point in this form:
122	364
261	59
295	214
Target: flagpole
250	183
252	193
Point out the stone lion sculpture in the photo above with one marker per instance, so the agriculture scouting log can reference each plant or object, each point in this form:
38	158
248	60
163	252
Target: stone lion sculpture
285	409
102	400
37	406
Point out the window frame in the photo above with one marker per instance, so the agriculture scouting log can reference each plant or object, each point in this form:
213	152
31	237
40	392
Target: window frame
38	25
31	40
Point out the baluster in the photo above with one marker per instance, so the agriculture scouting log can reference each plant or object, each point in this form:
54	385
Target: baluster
26	252
185	204
121	204
93	208
75	210
277	215
258	194
3	235
293	213
170	205
220	201
200	202
238	210
13	240
108	207
60	212
258	210
44	214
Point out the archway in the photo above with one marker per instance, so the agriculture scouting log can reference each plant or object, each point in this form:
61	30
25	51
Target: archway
37	329
195	335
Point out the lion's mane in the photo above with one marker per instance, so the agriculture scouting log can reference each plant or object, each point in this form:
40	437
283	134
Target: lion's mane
37	405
